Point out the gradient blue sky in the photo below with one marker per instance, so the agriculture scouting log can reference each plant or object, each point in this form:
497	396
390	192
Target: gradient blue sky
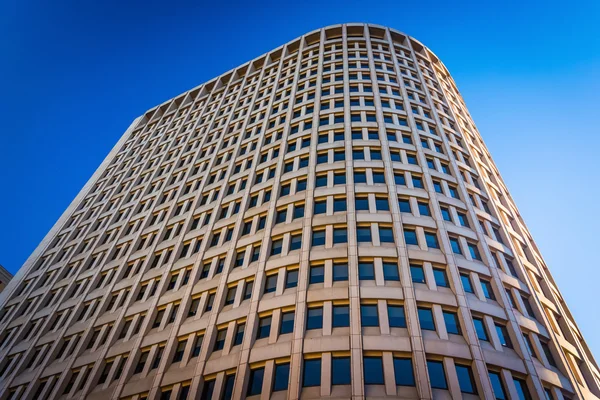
74	75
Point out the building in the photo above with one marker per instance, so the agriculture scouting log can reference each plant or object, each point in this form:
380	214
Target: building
322	221
5	277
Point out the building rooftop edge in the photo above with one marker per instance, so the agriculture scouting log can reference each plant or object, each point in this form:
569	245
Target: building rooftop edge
348	24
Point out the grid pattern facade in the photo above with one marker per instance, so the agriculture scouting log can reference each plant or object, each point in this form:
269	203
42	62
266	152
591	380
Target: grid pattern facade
323	221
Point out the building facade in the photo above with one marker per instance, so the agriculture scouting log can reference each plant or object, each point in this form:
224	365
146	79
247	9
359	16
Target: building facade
322	221
5	277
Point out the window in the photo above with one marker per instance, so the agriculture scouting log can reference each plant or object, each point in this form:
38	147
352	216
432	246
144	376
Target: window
276	247
291	279
340	272
455	246
404	205
474	251
295	242
548	353
417	273
366	271
318	238
363	234
340	235
465	379
466	282
360	177
255	382
424	209
282	376
503	336
220	341
312	372
445	214
437	375
339	204
403	372
462	219
373	370
369	315
522	390
287	323
320	206
264	327
341	316
317	274
410	236
340	371
451	321
497	386
440	277
271	283
248	290
529	345
488	292
396	317
381	204
431	240
208	389
426	319
314	318
239	334
386	234
390	271
480	329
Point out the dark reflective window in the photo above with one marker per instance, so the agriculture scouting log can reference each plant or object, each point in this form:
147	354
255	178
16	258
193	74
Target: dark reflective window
403	372
465	379
426	319
340	371
255	382
341	316
373	368
396	316
282	374
369	315
437	375
312	372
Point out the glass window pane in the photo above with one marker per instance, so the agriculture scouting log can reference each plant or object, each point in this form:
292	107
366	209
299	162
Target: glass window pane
340	371
465	379
312	372
452	324
497	386
369	315
440	277
256	381
403	372
480	329
314	319
466	282
396	316
341	316
426	319
390	271
522	390
373	368
417	274
340	272
437	375
282	374
366	271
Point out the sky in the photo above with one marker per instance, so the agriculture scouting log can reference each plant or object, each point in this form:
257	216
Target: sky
75	74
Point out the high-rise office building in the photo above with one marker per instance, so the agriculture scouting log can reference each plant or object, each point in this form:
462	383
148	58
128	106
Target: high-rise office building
322	221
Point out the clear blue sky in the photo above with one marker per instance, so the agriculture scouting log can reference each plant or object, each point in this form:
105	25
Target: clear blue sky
74	75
